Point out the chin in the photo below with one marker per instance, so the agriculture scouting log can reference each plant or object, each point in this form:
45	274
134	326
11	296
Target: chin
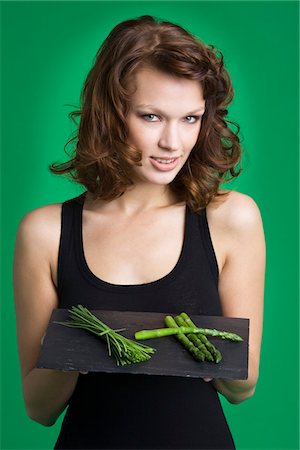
156	177
160	179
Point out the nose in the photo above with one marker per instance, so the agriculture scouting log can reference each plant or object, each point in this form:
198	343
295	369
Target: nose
170	138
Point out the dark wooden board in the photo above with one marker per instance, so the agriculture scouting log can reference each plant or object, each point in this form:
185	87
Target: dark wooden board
66	348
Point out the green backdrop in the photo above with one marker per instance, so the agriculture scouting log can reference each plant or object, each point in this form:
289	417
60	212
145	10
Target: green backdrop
48	47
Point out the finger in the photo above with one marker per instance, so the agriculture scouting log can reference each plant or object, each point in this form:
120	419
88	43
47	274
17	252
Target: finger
207	380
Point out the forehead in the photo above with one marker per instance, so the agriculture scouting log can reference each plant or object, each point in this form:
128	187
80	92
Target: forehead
153	87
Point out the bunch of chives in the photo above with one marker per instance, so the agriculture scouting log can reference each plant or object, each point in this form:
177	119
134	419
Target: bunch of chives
125	351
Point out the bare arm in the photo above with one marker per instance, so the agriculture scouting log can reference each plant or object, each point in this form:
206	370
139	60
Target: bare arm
46	392
241	285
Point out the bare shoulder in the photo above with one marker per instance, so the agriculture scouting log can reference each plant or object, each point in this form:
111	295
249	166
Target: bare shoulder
39	230
40	221
235	212
234	221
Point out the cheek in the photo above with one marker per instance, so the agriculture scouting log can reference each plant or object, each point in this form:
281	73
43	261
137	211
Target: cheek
191	139
141	137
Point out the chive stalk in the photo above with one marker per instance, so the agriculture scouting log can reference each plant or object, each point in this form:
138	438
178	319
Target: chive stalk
125	351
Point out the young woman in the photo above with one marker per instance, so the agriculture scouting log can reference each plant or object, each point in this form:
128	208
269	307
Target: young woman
151	232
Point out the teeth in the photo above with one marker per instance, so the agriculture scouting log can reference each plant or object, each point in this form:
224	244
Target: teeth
164	161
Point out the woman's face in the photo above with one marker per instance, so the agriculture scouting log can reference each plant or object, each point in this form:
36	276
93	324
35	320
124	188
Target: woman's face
164	122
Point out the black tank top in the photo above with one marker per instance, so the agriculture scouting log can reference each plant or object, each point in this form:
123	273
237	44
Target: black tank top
125	411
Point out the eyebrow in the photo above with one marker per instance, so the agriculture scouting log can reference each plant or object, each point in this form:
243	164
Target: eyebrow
201	109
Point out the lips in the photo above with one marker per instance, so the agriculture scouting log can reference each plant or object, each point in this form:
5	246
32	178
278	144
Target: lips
164	160
164	164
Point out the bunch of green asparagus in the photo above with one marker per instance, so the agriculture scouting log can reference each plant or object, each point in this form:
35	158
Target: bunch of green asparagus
192	338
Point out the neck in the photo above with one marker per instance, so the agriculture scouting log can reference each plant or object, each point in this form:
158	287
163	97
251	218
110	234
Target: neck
145	197
141	198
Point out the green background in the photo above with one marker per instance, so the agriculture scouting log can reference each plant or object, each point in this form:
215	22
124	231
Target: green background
48	48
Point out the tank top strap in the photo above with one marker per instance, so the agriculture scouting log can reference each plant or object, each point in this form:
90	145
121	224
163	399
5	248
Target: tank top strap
66	244
208	244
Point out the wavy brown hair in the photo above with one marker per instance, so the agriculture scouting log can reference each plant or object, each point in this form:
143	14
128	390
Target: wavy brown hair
103	161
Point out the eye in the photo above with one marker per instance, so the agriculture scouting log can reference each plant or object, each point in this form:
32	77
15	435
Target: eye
192	119
150	117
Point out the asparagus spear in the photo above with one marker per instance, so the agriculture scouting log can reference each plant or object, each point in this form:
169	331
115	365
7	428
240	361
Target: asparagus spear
160	332
197	354
216	354
194	338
